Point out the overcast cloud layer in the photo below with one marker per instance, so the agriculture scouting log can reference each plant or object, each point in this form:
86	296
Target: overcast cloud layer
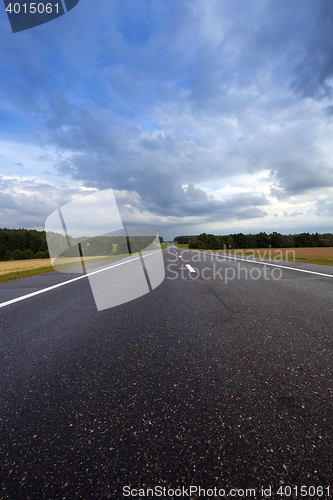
202	115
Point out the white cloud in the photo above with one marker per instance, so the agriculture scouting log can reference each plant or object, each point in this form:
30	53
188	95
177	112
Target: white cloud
193	113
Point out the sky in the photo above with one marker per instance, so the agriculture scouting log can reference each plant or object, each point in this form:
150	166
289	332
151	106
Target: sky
202	115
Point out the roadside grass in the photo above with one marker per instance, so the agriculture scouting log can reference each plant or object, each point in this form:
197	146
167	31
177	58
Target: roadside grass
181	245
264	254
322	262
17	275
27	273
306	260
267	254
87	260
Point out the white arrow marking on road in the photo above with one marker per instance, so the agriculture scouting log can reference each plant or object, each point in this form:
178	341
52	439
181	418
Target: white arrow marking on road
190	268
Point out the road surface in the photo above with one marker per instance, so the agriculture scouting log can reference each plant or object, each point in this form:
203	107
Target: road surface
211	380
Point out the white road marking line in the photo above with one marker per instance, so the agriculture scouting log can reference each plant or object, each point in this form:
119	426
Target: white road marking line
277	265
27	296
190	268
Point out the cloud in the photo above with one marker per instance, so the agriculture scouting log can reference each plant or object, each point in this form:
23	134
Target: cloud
314	71
26	202
158	96
324	208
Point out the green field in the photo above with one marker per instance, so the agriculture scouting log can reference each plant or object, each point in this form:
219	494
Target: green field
181	245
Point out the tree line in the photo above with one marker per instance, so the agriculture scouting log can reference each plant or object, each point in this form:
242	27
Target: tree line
17	244
206	241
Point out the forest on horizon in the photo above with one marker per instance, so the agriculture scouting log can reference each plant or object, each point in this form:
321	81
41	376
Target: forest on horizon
16	244
206	241
19	244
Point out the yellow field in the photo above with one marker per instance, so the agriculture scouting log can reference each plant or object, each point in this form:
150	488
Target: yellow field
13	266
310	253
16	269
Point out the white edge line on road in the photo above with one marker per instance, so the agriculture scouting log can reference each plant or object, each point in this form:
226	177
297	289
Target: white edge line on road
275	265
190	268
23	297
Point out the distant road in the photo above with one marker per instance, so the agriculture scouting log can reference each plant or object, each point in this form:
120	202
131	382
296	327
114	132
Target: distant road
221	377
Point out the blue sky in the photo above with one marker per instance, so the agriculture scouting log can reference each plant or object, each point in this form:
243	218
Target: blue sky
207	115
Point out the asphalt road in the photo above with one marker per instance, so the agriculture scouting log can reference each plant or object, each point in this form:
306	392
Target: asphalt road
210	380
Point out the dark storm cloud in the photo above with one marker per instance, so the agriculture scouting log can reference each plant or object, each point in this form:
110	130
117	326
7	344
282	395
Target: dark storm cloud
301	178
315	68
102	161
194	202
